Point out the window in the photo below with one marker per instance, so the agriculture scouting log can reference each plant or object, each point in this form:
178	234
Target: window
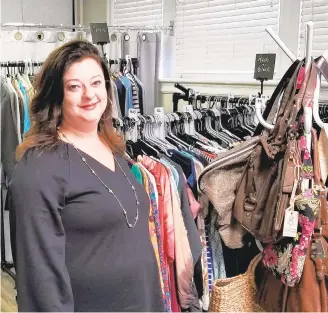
138	13
219	37
316	11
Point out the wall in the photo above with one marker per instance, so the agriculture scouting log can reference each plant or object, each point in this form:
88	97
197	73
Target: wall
46	12
37	11
94	11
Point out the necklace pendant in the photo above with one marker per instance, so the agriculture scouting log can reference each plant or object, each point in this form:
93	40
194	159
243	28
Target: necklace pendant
110	190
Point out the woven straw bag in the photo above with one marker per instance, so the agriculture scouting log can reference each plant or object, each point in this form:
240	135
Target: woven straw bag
236	294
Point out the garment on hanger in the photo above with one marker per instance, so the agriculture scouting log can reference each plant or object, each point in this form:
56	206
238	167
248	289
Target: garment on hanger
129	88
10	137
16	94
116	109
185	260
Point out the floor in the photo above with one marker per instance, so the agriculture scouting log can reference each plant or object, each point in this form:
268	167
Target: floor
8	302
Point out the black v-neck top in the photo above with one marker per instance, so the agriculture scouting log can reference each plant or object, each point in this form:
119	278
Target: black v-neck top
73	248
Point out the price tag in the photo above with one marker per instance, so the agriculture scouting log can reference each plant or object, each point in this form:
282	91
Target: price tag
259	102
133	113
159	128
159	111
188	108
189	126
290	224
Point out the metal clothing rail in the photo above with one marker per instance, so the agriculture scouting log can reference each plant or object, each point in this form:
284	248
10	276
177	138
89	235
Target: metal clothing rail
19	64
169	28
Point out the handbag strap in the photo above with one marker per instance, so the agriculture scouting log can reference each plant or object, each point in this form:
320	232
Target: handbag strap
316	162
285	113
322	65
294	105
308	92
323	216
272	104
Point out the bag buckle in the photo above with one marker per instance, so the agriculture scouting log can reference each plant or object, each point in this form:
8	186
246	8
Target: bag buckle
317	249
250	202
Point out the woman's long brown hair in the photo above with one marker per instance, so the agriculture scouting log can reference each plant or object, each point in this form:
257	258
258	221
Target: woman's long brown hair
46	106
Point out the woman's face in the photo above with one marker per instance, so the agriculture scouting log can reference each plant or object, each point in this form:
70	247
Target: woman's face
85	94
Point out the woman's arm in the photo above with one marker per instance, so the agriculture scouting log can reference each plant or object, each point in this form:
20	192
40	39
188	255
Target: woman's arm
36	197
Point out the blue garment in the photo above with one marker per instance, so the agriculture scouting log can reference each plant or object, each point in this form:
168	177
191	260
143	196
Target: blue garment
188	166
27	121
129	99
121	95
216	248
193	178
209	258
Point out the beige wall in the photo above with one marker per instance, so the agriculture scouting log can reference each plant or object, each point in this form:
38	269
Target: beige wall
94	11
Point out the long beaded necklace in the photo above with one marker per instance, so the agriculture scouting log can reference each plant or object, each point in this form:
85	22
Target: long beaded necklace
110	190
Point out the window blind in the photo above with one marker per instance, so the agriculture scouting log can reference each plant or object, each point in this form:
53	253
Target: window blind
316	11
214	37
138	13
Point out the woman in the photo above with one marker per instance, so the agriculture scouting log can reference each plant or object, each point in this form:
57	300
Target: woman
79	218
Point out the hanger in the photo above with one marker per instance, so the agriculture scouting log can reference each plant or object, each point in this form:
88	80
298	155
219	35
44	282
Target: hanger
144	146
170	136
150	137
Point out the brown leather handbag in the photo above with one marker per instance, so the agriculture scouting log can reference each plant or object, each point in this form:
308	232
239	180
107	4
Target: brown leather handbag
266	186
220	179
310	294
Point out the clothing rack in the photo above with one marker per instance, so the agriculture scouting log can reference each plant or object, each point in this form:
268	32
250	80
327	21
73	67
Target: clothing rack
19	64
193	98
124	62
119	28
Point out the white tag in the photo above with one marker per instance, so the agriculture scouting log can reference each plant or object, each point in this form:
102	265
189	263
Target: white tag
159	127
188	108
260	101
290	224
133	113
189	126
159	111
